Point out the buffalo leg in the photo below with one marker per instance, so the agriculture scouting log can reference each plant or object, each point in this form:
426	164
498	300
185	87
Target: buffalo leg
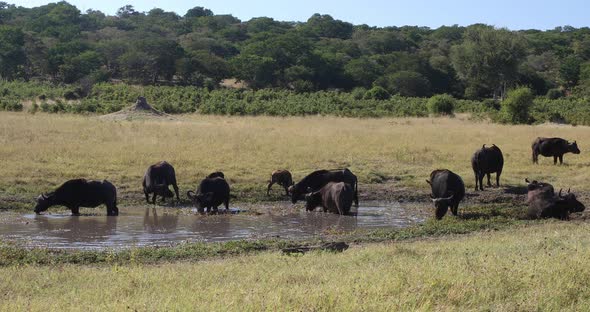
476	180
454	209
561	159
147	197
356	195
176	191
268	188
226	204
154	198
489	183
480	178
498	178
113	210
555	160
75	211
286	189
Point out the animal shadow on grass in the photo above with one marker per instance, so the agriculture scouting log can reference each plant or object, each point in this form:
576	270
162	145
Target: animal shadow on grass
516	189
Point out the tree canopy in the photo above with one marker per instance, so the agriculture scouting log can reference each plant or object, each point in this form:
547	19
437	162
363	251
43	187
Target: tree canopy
59	43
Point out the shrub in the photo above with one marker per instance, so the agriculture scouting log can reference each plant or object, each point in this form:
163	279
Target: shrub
515	108
554	94
34	108
441	104
377	93
11	105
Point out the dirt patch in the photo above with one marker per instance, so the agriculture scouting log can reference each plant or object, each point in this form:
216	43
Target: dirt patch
139	111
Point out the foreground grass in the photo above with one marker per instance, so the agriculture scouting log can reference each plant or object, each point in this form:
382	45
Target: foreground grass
541	267
41	151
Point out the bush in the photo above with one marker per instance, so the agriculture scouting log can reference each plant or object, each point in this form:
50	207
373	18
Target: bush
11	105
515	108
554	94
441	104
377	93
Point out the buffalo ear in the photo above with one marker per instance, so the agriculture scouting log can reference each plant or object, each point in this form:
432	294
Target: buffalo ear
429	182
527	180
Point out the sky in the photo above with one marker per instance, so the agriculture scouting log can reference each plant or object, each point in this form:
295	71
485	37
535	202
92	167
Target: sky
513	14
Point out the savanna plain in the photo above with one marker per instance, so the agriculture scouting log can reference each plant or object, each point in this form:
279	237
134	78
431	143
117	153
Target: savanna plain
487	258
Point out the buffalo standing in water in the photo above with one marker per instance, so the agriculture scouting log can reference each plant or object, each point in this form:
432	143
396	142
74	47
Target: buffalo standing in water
317	179
485	161
282	178
81	193
448	190
555	147
211	193
156	180
334	197
542	202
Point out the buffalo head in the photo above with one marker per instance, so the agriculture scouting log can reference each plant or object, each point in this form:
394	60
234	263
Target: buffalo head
44	201
201	201
313	200
573	147
163	190
569	199
441	205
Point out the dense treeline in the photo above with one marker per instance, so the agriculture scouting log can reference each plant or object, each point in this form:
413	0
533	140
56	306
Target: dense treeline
107	98
60	44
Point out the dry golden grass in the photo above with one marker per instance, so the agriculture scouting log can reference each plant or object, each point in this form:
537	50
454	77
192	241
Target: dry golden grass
41	151
536	268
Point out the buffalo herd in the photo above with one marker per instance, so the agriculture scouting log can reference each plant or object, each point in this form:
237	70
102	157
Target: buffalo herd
334	190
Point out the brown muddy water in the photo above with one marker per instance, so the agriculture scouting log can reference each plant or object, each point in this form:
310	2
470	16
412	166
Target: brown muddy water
165	226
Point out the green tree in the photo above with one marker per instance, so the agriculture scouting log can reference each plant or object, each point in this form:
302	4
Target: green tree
363	71
256	71
489	57
569	71
515	108
12	54
198	12
326	26
406	83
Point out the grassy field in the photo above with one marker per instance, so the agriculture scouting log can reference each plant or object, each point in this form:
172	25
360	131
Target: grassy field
41	151
499	263
534	268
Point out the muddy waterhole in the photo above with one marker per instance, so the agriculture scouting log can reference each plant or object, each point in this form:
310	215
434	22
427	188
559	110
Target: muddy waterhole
165	226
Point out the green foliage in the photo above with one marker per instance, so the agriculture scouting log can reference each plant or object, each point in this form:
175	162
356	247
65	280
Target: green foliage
377	93
515	108
554	94
488	57
406	83
11	105
59	44
441	104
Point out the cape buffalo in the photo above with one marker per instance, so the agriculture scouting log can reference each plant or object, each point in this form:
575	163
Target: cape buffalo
317	179
216	174
555	147
335	197
543	203
486	161
282	178
448	189
210	194
156	180
81	193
